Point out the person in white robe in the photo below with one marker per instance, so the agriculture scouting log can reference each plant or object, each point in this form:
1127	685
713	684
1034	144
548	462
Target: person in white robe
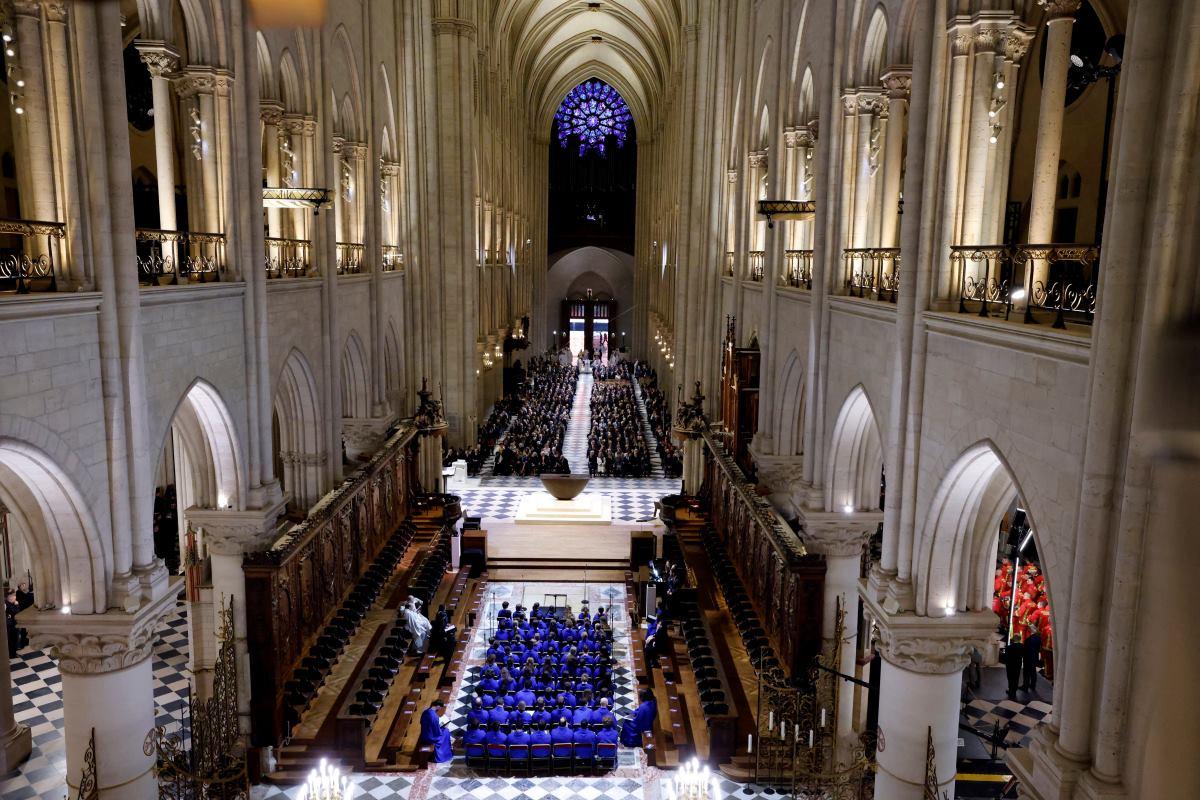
417	625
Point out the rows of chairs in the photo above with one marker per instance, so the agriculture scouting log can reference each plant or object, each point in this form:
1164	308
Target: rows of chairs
432	569
314	667
750	628
368	699
568	758
700	653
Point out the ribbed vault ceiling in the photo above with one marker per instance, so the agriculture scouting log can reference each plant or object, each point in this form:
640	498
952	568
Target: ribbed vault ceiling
549	46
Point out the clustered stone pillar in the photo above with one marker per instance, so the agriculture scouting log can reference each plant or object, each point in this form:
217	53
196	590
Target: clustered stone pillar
107	687
840	538
272	115
919	695
429	464
229	535
1060	16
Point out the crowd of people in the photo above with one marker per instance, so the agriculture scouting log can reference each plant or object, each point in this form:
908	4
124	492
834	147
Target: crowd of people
533	441
1032	642
616	447
660	420
546	680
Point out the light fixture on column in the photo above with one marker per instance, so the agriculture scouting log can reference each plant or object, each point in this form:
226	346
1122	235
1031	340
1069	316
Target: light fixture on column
786	209
295	197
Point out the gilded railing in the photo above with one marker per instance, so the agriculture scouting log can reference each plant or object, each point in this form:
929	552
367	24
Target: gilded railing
797	269
1059	279
287	258
756	265
31	254
168	257
349	258
393	258
872	272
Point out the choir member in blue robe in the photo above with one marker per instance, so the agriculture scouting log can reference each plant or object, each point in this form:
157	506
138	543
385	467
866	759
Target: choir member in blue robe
478	714
518	736
601	712
503	613
432	732
498	715
585	743
476	734
608	734
581	716
539	735
562	732
642	721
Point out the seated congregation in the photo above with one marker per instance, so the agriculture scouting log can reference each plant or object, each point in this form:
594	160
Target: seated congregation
543	698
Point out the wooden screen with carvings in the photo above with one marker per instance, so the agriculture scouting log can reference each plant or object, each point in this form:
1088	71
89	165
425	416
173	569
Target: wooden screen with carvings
784	581
295	586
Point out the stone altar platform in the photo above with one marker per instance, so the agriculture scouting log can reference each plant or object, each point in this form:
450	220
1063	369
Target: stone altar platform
586	509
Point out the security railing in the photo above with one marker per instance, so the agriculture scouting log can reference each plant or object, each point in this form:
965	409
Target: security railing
349	258
1058	279
756	265
172	257
287	258
872	272
31	254
393	258
797	269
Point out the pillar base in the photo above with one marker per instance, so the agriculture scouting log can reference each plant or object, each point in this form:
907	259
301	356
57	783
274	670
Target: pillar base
15	747
1043	771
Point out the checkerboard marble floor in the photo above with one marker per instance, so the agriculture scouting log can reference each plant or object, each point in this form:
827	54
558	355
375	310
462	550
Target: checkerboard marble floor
990	705
37	702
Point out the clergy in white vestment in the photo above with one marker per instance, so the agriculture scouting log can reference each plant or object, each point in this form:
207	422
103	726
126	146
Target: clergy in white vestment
417	625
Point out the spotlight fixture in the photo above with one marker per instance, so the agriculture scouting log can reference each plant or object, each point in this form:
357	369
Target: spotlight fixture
1077	60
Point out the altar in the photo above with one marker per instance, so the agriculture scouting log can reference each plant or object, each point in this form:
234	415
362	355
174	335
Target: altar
585	509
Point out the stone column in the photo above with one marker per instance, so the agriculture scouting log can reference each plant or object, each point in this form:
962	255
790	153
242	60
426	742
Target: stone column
870	109
108	687
32	128
1060	16
897	83
979	148
841	538
919	693
272	115
15	740
162	60
229	535
429	464
199	85
947	280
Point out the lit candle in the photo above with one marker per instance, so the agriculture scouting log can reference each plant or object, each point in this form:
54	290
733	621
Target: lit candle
770	719
810	738
822	718
796	733
750	743
783	729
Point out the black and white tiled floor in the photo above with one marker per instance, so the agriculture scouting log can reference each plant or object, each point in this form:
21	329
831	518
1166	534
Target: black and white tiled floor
37	702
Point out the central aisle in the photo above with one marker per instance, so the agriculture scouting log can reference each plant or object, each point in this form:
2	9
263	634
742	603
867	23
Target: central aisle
575	441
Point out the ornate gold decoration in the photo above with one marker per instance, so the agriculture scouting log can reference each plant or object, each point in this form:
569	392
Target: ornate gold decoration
214	766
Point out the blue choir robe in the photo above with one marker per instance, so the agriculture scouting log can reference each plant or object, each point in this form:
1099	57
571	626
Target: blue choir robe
599	715
498	714
607	735
641	721
569	699
518	736
497	737
526	696
433	733
487	700
562	734
541	716
478	715
539	737
582	716
475	736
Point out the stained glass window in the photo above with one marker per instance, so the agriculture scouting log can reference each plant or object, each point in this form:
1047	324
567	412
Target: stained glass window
593	111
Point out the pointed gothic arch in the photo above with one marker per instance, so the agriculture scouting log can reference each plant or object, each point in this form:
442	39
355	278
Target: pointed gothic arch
356	384
789	439
299	444
855	464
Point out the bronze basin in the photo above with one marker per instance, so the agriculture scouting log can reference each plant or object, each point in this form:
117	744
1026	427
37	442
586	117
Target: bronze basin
564	487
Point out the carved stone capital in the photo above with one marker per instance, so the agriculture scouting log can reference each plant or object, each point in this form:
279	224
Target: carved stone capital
1060	9
731	176
298	124
850	103
870	102
338	145
389	168
897	83
90	644
27	8
929	645
230	532
447	26
270	113
1016	44
838	534
195	80
806	136
961	38
989	39
159	57
757	158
